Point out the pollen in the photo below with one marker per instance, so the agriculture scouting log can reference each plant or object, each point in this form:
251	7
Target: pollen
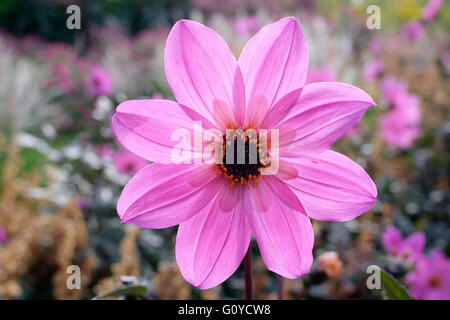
244	154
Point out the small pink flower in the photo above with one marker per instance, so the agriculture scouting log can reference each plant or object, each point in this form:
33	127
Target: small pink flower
99	81
431	9
392	239
401	125
125	161
413	30
409	248
105	151
3	235
431	278
220	206
391	88
398	133
247	25
128	163
324	74
372	69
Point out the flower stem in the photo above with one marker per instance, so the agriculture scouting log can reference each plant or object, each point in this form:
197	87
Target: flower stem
248	274
280	282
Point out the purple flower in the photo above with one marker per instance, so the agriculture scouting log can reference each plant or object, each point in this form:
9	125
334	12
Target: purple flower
409	248
99	82
431	278
413	30
431	9
84	204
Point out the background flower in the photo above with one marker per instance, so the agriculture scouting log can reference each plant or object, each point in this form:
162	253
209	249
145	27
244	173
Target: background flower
430	280
431	9
99	81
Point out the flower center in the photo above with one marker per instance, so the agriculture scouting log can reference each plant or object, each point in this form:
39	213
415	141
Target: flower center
244	154
434	281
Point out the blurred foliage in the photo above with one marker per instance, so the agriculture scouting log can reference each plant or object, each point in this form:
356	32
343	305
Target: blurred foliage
47	18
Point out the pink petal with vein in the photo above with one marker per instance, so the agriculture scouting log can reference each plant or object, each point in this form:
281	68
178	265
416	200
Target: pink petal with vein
161	196
211	245
332	187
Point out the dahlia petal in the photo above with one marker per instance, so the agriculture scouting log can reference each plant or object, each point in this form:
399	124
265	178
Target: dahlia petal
164	195
274	62
211	245
284	234
202	72
146	128
280	109
332	187
323	113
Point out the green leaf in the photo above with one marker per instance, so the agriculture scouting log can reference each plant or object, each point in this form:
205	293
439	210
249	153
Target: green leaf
124	290
392	289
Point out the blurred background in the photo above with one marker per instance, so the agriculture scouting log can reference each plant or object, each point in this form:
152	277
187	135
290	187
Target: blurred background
61	172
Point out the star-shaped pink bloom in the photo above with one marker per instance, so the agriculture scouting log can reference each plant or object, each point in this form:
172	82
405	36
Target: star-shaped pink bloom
264	89
430	280
409	248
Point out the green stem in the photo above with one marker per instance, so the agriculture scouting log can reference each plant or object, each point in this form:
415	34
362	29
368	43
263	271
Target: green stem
280	283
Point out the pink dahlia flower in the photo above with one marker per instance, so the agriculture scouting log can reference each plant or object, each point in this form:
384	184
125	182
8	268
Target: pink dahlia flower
409	248
431	278
220	205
